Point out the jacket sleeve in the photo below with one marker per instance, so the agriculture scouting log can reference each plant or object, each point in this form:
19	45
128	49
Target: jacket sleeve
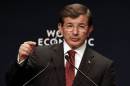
18	74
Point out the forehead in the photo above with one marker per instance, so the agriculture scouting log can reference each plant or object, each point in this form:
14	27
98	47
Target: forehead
80	19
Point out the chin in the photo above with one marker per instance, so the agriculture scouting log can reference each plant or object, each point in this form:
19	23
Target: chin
75	45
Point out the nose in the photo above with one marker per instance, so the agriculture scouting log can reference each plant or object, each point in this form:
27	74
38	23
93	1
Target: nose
75	31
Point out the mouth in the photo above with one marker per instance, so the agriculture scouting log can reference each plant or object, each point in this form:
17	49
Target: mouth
75	39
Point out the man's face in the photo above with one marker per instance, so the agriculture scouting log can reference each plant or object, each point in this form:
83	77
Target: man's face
75	30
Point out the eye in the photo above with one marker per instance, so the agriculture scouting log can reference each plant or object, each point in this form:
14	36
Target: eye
69	26
82	26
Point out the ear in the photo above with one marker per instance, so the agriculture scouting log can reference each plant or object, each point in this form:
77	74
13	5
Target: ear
60	28
90	30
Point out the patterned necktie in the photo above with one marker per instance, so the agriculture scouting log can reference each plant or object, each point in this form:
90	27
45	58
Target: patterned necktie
70	71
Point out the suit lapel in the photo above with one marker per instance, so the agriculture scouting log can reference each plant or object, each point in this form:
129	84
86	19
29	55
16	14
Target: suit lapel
85	66
58	59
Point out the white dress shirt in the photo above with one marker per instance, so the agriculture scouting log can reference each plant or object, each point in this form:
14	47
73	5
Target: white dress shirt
78	55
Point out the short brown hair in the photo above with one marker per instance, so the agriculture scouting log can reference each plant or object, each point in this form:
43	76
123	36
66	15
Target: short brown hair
75	10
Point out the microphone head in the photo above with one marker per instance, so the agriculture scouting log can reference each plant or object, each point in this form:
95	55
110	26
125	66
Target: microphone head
67	57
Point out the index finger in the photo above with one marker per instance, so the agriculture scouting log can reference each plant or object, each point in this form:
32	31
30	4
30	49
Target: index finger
32	43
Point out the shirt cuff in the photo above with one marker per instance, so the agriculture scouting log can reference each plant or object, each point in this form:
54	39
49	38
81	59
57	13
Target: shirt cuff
20	61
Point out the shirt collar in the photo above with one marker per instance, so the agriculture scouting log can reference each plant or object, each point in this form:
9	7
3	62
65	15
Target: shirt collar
79	50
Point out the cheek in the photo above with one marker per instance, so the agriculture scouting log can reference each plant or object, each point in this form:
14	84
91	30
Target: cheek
84	34
65	34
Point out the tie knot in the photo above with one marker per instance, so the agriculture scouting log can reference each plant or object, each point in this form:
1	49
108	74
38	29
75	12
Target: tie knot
71	53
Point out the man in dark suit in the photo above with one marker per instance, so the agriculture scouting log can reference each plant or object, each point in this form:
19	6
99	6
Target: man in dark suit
75	24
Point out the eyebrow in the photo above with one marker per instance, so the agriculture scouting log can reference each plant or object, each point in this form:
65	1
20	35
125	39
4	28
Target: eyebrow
78	24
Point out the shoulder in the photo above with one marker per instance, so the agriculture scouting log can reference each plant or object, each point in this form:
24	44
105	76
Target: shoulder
100	59
50	48
44	53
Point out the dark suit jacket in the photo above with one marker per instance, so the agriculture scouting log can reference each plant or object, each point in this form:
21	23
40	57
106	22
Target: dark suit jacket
94	65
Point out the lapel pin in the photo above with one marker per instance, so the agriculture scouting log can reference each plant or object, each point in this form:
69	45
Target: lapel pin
89	61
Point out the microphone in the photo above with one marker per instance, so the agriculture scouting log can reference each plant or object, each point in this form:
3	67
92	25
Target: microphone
26	83
87	77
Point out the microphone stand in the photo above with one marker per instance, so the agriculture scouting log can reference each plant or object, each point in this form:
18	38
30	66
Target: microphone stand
67	58
26	83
